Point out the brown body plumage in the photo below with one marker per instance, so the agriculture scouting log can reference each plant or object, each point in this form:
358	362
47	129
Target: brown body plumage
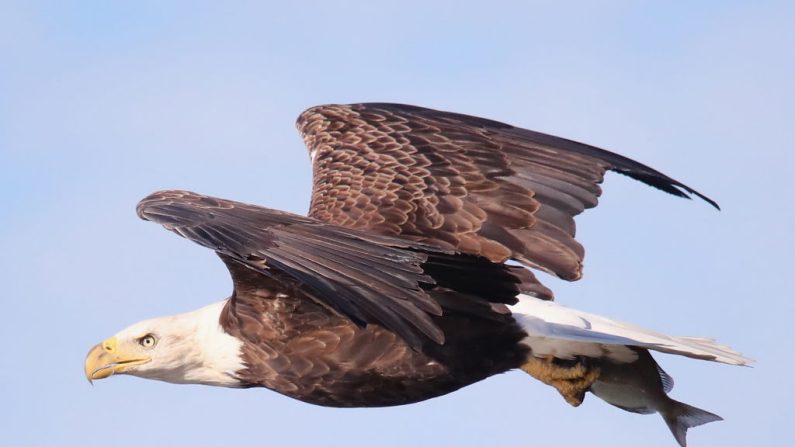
303	350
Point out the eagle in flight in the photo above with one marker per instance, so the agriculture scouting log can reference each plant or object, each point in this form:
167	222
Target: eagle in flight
396	287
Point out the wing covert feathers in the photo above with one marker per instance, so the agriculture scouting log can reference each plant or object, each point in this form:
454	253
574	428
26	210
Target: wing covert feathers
367	277
460	182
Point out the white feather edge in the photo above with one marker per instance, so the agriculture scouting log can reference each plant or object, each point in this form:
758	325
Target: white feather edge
563	332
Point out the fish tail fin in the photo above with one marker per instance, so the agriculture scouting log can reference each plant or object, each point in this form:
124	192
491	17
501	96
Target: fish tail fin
681	416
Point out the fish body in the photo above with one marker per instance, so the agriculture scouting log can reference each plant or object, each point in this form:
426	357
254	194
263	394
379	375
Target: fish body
642	387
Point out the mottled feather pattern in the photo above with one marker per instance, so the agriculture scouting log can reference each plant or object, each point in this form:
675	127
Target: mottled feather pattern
470	184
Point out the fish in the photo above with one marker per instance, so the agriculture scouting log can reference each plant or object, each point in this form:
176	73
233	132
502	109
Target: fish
642	387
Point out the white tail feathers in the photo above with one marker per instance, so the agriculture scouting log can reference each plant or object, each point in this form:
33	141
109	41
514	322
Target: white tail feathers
562	332
681	416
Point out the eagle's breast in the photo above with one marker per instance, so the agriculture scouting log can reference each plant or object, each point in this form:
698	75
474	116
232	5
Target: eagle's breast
303	350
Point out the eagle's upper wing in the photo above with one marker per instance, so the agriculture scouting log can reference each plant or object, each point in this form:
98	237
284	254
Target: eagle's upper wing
369	278
470	184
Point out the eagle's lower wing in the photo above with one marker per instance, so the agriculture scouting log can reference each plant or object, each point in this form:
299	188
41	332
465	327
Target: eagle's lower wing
369	278
460	182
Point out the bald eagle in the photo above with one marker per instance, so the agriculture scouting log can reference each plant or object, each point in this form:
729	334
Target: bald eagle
396	288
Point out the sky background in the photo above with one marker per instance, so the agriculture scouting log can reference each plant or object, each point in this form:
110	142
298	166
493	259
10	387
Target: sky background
104	102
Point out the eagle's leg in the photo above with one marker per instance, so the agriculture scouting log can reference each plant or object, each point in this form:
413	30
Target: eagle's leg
571	378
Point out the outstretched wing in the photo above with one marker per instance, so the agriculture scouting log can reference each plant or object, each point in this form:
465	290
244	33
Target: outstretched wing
460	182
367	277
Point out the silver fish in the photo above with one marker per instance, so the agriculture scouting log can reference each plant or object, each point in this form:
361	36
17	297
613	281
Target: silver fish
642	387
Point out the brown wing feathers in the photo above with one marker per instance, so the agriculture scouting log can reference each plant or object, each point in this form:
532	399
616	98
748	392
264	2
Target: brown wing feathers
470	184
367	277
413	212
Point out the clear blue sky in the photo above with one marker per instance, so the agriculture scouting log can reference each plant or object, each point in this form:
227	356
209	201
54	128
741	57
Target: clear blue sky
104	102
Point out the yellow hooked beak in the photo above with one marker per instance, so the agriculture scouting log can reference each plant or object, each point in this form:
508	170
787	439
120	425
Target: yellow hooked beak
105	359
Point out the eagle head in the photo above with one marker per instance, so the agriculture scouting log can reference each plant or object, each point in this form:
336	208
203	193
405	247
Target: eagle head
187	348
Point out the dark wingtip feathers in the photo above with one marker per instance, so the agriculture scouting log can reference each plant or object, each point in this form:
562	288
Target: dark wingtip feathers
667	184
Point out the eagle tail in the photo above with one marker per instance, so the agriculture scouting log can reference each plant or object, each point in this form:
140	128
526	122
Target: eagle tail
564	333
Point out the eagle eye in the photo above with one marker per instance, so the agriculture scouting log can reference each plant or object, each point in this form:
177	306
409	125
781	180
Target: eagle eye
147	341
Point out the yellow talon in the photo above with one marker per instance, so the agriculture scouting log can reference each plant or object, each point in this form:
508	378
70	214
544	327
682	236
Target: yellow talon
571	381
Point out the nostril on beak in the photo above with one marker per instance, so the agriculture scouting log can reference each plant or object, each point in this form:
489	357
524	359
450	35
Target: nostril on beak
109	345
